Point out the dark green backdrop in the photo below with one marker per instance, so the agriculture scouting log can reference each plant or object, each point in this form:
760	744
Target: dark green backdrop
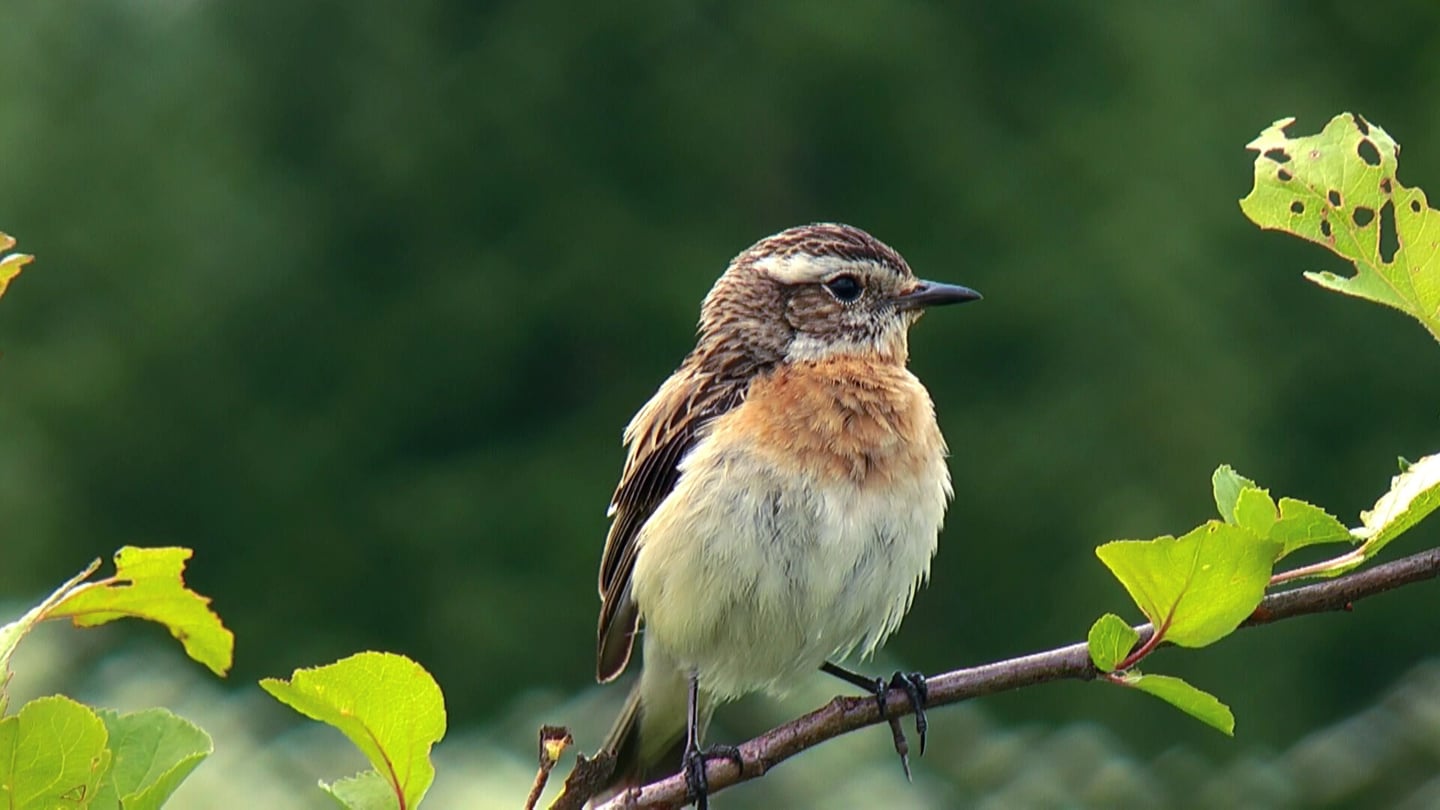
355	298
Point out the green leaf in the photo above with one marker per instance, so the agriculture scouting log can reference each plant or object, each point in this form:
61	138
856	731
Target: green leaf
1227	485
1195	589
10	265
52	755
1339	189
367	790
1256	511
154	751
1302	524
389	707
1293	524
12	633
1197	703
148	584
1413	494
1111	640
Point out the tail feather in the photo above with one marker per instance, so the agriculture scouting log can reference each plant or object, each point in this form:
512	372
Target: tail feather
624	738
648	738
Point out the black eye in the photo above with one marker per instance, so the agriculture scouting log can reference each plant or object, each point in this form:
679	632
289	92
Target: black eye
845	288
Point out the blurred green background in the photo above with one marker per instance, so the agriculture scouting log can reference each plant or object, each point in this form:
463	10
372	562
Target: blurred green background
354	299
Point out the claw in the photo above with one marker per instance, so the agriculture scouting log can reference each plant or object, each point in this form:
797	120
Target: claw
729	753
902	746
915	688
695	778
695	761
912	684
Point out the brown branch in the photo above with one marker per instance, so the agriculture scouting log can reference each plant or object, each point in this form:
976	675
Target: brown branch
845	714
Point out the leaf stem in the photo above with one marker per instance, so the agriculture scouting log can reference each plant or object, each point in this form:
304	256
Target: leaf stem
1149	646
1315	569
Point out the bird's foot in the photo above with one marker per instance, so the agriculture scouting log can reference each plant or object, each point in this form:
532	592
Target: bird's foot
694	766
914	686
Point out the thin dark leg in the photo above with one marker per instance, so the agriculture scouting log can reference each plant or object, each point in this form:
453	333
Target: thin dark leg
852	678
693	762
914	687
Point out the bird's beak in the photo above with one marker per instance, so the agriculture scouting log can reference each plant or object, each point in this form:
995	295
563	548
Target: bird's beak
934	294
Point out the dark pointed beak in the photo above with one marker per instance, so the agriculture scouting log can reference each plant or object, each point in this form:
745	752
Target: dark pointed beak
934	294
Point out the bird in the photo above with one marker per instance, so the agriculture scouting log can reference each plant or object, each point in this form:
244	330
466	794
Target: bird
781	498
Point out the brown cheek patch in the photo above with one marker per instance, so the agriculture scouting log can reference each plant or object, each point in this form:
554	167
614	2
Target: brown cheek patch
813	311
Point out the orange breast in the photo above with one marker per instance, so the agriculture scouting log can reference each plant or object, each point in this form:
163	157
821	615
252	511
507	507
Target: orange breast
866	421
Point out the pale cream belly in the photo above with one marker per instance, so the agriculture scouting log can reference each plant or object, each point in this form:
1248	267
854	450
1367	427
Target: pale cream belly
753	577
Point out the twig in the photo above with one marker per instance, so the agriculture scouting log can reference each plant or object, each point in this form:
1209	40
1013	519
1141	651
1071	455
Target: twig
553	742
845	714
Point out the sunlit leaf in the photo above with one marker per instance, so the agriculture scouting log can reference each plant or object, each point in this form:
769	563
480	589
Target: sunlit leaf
1227	485
52	755
154	750
1197	588
1413	494
1292	524
367	790
1194	702
1256	511
1302	524
389	707
148	584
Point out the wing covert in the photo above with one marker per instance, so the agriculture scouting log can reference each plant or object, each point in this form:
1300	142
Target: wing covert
659	436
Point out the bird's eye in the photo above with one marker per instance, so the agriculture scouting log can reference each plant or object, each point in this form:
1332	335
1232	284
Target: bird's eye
845	288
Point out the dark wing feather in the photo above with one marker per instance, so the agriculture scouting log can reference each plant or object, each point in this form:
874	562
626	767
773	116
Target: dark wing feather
662	433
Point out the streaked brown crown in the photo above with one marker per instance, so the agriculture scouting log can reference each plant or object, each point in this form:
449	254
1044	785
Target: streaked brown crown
827	239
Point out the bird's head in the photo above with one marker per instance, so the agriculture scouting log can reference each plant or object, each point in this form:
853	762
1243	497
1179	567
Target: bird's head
819	291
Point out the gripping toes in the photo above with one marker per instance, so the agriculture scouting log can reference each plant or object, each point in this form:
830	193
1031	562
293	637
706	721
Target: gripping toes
695	778
914	686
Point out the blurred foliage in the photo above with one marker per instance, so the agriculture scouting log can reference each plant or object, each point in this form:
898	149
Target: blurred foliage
375	287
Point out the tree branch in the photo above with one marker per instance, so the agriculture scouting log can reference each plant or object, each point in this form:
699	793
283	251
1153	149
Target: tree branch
845	714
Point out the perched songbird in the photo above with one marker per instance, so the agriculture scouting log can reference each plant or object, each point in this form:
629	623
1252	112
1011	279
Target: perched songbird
782	494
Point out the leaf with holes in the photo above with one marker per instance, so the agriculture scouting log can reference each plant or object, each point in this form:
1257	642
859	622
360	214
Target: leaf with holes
1195	589
1197	703
1339	189
149	584
389	707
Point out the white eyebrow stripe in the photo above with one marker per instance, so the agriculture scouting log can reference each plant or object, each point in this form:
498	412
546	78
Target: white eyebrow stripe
803	268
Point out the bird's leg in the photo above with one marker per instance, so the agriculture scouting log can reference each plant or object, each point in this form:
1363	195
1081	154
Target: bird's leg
914	687
693	761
